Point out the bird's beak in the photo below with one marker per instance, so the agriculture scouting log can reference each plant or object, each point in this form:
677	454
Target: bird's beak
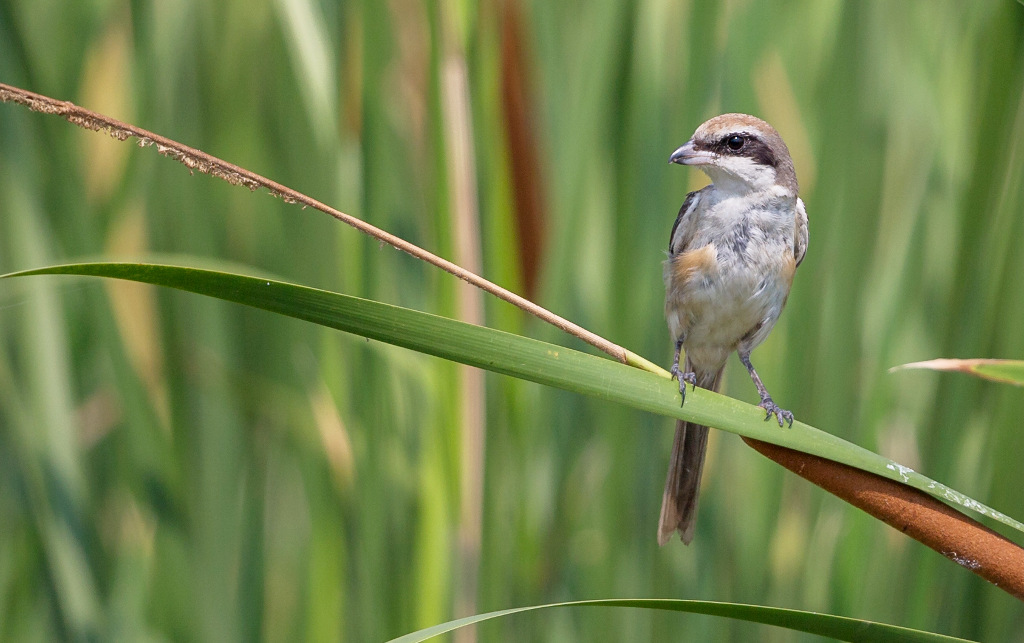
688	155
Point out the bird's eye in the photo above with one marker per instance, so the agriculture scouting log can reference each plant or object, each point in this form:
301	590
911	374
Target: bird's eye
735	143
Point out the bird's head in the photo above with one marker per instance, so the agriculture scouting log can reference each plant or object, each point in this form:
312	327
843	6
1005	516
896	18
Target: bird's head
739	151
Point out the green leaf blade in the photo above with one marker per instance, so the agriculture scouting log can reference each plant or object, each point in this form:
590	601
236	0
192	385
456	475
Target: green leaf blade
1007	371
517	356
836	627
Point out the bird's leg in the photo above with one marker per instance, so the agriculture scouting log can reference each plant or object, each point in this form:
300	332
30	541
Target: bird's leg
683	378
767	403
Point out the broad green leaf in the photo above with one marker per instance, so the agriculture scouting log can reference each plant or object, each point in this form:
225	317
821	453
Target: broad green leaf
517	356
1008	371
836	627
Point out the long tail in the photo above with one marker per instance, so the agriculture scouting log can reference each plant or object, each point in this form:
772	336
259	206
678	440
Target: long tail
679	503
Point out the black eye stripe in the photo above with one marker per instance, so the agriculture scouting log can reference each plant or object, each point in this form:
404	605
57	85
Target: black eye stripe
760	153
753	148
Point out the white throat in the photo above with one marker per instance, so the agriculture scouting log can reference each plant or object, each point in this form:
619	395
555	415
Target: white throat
738	175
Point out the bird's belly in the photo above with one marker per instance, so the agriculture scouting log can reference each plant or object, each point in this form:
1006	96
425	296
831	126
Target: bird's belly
715	300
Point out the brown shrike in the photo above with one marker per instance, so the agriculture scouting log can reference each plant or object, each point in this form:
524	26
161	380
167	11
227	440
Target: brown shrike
732	254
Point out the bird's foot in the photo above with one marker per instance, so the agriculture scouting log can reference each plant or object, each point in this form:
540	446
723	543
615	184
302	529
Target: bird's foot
771	408
684	379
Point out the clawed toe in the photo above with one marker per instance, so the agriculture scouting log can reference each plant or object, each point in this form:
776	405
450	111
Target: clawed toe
684	379
781	414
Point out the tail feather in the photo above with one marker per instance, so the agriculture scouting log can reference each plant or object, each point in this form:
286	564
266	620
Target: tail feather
682	486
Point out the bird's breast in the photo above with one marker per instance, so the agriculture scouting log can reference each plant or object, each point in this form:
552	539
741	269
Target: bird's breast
732	279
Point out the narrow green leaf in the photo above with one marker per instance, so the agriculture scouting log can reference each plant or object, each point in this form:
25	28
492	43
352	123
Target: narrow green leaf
836	627
517	356
1008	371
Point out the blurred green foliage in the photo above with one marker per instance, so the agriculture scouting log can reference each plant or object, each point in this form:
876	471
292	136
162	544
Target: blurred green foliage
173	467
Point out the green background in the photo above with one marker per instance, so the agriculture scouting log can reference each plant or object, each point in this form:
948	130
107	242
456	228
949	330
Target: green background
177	468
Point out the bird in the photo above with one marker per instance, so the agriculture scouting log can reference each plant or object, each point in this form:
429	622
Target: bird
733	251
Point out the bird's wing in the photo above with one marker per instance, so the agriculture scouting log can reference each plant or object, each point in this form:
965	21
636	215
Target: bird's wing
801	237
683	228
